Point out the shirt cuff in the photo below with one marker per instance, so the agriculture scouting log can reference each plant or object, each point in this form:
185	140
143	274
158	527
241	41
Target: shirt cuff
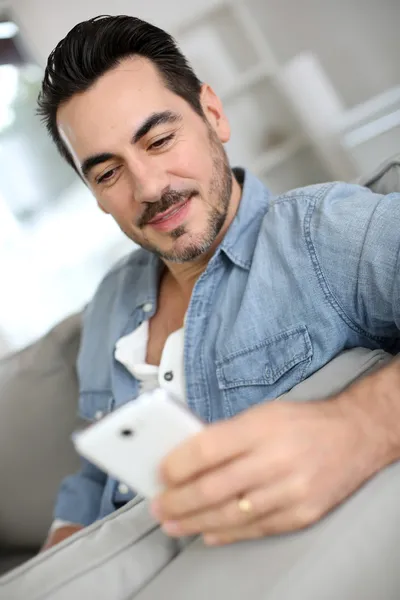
57	523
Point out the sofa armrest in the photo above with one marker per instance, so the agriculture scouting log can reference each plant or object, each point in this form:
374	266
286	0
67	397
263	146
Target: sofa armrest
385	179
351	554
38	407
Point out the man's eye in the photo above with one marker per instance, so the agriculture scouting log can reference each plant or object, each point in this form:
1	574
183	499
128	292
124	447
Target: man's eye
161	142
106	176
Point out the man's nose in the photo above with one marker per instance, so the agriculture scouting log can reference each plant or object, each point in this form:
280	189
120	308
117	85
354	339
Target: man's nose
149	181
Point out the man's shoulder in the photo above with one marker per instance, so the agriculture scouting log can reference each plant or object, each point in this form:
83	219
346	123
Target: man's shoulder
331	220
330	205
337	225
324	194
313	191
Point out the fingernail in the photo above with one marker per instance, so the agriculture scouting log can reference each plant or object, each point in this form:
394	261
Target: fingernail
155	509
171	527
211	539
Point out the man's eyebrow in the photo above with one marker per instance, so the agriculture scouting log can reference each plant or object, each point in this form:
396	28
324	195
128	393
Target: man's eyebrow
94	160
158	118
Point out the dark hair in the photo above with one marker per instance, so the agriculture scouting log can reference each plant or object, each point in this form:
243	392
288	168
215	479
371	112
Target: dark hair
94	47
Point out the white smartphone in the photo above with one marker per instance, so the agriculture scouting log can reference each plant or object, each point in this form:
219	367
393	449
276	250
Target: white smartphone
131	442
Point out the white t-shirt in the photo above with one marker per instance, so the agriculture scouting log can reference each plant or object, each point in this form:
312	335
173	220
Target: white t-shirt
131	352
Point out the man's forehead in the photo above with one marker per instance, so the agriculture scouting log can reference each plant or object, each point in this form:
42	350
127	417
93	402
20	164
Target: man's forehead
120	99
135	76
133	71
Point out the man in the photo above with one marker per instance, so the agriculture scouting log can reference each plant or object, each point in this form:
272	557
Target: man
234	298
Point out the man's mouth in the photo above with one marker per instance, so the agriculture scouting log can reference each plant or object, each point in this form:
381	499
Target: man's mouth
169	213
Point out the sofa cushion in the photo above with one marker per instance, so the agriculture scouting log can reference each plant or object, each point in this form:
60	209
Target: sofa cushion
385	179
111	559
38	406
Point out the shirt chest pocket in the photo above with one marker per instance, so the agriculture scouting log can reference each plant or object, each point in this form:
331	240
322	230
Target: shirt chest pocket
265	369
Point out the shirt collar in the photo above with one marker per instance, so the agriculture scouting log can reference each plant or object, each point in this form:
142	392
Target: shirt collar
238	245
141	273
240	239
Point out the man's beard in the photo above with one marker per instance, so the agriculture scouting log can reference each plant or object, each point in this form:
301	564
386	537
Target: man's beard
220	189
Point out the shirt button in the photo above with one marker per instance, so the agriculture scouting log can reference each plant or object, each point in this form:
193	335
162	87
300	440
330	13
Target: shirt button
168	376
123	489
148	307
98	415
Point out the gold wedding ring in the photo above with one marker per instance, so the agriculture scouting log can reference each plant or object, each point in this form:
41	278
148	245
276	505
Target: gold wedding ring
245	506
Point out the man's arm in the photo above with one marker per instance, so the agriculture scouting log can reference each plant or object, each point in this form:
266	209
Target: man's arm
374	403
59	534
79	498
294	462
354	246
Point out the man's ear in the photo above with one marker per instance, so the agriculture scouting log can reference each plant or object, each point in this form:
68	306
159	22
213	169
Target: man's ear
214	113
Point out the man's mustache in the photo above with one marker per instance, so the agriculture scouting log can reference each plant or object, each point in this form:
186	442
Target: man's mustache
167	200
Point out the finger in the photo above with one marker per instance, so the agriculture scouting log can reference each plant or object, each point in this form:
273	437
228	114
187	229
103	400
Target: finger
225	516
275	523
262	501
215	487
215	445
283	509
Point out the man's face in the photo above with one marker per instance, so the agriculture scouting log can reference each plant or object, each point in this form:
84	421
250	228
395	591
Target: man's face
150	160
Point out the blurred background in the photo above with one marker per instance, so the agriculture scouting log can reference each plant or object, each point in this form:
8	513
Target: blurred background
312	89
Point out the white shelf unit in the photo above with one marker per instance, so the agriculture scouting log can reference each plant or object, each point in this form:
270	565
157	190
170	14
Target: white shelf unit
371	131
229	51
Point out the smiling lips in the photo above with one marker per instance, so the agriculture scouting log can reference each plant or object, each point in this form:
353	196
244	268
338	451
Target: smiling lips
171	218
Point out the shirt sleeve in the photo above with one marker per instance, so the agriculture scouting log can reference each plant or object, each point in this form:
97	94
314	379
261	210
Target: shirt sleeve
81	494
354	241
79	497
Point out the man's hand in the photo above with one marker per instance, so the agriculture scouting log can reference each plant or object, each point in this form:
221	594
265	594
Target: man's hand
59	535
292	462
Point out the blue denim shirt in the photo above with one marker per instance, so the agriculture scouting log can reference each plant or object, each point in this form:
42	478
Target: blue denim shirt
296	280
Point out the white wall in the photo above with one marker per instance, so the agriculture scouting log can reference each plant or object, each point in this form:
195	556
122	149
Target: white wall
45	22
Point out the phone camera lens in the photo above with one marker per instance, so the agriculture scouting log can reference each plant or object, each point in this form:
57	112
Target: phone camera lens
127	432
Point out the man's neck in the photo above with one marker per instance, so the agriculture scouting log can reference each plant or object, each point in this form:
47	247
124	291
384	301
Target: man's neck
186	274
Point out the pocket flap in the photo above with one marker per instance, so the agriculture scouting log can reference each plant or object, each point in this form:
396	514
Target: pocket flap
265	362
